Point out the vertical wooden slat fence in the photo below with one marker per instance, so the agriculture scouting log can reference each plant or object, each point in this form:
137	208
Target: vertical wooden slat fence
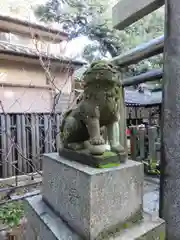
23	139
10	139
33	137
145	143
37	163
20	144
3	143
135	115
23	150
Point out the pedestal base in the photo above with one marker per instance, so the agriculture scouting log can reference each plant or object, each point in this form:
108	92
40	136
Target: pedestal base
93	201
44	224
108	159
81	202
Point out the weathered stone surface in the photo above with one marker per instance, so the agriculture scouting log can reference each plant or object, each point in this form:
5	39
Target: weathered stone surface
100	106
44	224
92	200
148	229
151	202
170	171
84	157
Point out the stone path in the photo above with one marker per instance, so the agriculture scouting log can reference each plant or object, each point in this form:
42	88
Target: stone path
151	195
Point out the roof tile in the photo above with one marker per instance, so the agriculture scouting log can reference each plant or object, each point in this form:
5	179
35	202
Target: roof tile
9	48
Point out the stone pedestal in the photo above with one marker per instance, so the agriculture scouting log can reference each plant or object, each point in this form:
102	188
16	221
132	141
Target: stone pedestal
82	202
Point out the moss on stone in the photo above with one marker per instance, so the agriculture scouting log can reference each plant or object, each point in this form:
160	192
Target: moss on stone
113	231
109	165
154	234
107	154
162	236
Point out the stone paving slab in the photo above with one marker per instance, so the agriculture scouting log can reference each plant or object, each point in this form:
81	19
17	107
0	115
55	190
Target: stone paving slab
151	196
150	187
49	226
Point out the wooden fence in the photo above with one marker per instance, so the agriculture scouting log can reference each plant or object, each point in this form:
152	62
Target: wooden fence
145	144
23	138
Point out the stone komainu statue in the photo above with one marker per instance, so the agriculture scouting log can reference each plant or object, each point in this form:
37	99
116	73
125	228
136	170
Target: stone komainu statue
99	107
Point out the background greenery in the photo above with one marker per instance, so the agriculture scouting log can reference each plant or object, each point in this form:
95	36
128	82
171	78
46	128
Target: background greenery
11	213
93	18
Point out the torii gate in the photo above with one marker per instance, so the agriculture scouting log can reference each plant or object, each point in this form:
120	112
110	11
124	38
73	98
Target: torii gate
126	12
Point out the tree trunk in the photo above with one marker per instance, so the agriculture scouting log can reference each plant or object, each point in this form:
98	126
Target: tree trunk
170	162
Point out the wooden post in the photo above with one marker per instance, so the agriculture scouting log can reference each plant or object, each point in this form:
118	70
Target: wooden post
46	129
10	145
24	143
133	142
158	149
19	142
58	142
152	135
123	125
33	136
38	159
142	142
122	122
125	12
170	155
4	147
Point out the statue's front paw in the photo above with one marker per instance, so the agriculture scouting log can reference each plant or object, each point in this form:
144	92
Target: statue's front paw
75	146
97	141
118	149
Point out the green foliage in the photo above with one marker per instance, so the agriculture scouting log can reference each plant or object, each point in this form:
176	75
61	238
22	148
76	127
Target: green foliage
94	19
91	52
11	213
83	17
150	167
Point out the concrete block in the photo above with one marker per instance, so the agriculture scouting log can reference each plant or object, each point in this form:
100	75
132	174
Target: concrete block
150	228
92	201
44	224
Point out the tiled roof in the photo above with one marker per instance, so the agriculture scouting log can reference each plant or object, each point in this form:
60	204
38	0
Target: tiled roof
19	50
134	97
26	23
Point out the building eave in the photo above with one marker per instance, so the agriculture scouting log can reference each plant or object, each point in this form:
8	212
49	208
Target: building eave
36	60
21	53
23	27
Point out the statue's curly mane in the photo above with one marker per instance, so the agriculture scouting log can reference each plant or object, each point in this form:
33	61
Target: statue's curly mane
101	71
101	79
